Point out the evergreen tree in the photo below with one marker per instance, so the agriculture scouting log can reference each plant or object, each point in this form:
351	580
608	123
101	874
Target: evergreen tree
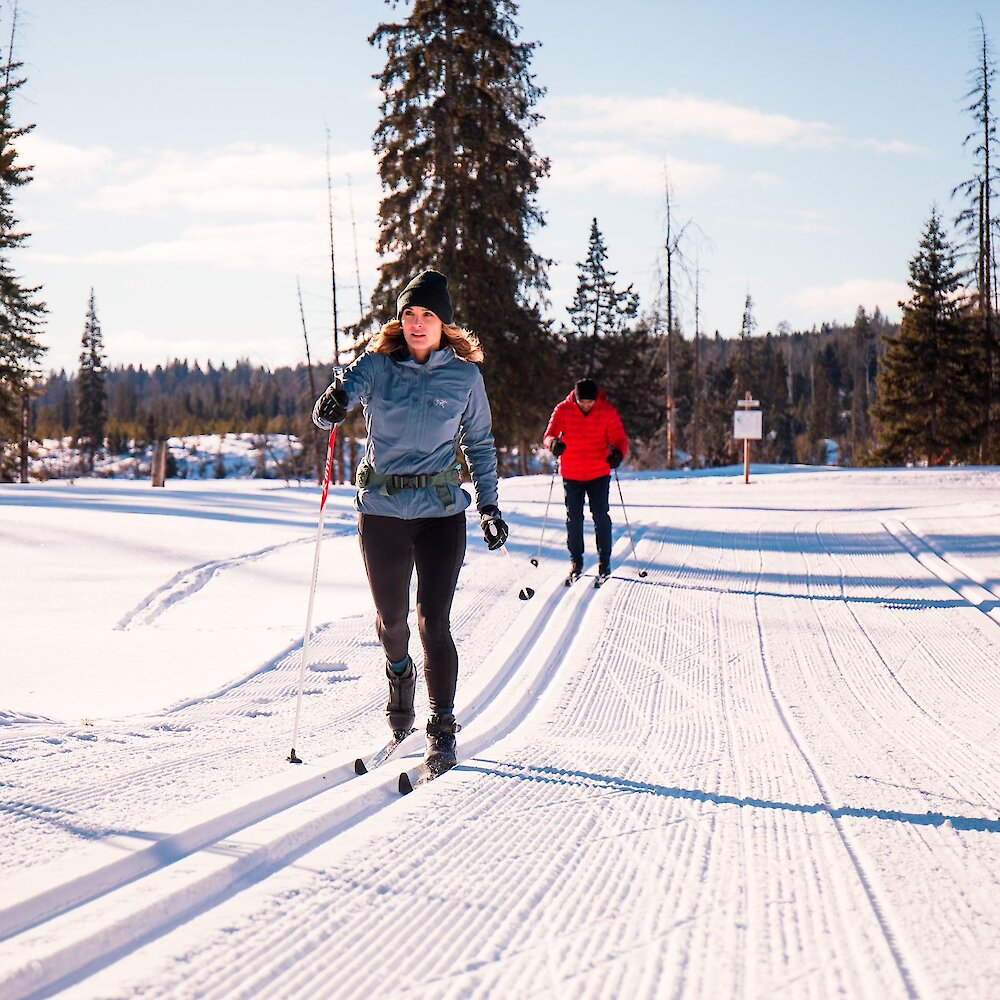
598	341
21	311
861	351
599	309
746	359
933	375
460	175
92	397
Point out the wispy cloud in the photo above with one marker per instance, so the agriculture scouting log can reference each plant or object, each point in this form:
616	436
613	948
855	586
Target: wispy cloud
283	246
843	300
56	163
242	179
241	207
615	167
674	115
670	116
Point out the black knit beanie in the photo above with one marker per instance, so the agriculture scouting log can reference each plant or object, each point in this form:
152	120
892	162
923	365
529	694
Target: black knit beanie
586	388
429	290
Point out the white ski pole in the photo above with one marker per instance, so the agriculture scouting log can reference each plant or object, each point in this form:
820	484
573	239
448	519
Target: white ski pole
526	593
293	758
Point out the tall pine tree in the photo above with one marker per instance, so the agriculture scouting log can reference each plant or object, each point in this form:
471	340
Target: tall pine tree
21	311
933	375
92	397
460	175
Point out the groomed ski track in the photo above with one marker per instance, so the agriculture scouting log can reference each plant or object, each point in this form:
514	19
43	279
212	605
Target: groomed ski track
768	768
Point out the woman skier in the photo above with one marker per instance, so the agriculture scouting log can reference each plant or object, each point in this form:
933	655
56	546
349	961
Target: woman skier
423	396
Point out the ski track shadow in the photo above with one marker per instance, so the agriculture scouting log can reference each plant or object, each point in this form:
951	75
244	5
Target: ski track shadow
52	815
610	783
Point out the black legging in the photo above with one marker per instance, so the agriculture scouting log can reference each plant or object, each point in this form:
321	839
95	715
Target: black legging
391	547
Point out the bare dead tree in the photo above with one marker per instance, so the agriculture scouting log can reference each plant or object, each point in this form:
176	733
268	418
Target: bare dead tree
977	221
310	435
338	476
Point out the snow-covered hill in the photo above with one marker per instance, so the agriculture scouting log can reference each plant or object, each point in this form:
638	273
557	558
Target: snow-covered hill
768	767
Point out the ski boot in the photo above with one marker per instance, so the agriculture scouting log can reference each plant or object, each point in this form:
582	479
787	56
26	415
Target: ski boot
603	572
440	754
402	687
575	572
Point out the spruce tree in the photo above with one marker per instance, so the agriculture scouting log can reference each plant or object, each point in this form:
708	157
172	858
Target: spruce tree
599	308
460	176
746	361
933	375
861	357
21	311
92	397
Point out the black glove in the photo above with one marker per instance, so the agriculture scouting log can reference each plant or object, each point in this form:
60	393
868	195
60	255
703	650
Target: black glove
557	447
494	527
331	407
614	457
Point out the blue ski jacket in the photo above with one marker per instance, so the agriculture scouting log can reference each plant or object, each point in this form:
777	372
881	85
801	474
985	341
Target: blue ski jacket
416	417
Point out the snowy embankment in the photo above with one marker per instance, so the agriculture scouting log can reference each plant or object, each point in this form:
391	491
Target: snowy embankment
770	766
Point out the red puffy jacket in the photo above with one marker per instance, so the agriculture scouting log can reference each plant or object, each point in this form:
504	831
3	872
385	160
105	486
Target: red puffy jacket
587	437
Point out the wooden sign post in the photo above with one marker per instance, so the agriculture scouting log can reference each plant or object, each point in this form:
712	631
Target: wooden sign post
748	425
158	470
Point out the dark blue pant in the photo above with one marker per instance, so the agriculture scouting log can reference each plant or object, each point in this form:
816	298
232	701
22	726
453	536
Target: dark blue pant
596	492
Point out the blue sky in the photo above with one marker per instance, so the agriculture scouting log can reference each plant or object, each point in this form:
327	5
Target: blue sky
180	158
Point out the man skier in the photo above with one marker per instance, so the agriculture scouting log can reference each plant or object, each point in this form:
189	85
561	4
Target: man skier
586	434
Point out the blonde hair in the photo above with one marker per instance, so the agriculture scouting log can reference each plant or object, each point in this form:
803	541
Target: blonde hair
464	342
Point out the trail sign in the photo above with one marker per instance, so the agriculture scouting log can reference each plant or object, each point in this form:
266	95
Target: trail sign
748	425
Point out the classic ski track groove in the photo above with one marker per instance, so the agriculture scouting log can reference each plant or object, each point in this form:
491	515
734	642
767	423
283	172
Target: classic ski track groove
903	962
748	733
927	741
954	574
239	847
957	750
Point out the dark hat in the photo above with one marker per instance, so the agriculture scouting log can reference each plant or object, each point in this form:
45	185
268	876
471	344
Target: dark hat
429	290
586	388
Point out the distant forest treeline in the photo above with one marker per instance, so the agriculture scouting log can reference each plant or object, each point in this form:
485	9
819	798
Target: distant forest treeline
814	387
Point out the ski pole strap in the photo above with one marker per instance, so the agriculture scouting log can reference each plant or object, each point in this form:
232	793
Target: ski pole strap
390	484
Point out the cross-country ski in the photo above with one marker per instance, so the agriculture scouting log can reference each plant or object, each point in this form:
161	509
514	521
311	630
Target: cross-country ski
363	765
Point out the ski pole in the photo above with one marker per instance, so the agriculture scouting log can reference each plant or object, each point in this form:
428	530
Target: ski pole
642	572
293	758
525	593
545	517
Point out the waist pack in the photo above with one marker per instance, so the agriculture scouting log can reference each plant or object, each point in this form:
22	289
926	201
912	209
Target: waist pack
393	483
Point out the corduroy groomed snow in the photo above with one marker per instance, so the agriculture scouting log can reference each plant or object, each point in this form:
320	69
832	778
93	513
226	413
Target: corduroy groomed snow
429	290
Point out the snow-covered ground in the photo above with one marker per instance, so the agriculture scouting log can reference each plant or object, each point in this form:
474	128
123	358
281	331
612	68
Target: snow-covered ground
769	767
